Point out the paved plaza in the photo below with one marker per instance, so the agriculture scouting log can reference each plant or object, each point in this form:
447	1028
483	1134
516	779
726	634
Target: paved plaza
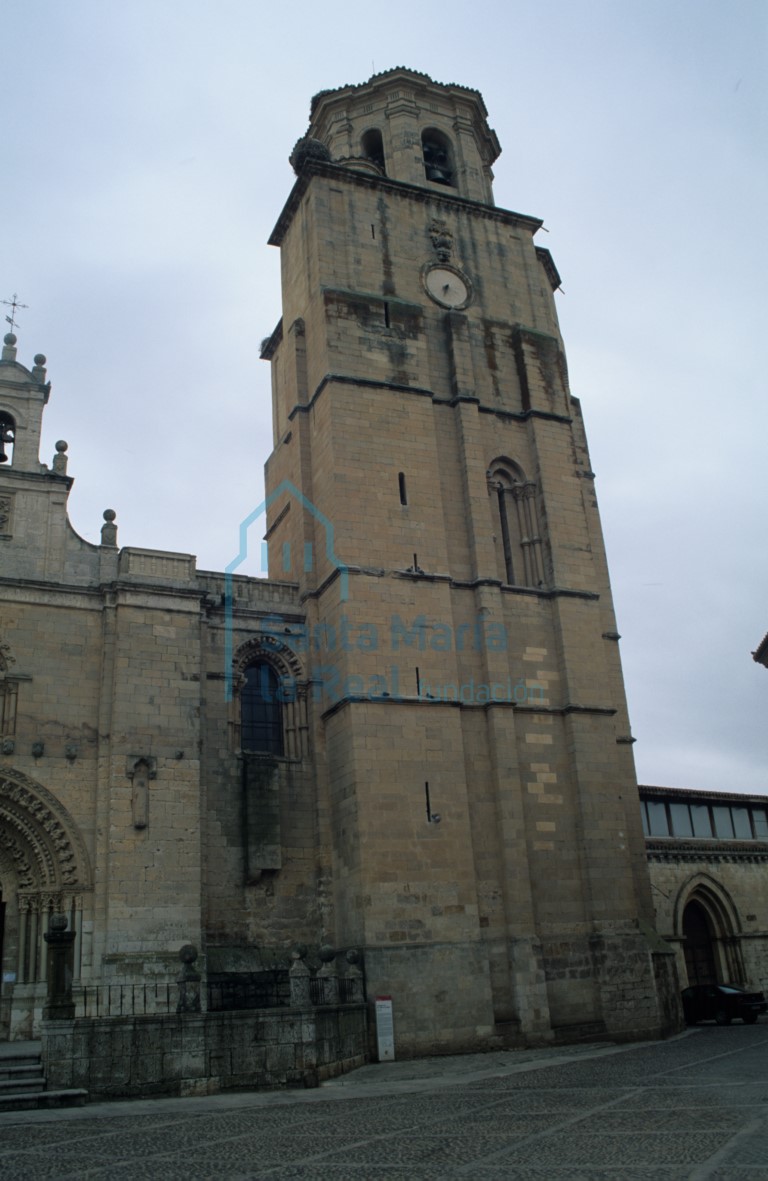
694	1107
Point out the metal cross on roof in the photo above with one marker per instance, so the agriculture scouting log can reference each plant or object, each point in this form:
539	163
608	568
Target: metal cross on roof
13	304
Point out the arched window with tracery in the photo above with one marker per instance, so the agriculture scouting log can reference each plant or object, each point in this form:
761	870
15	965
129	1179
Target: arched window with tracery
261	713
270	723
269	706
518	539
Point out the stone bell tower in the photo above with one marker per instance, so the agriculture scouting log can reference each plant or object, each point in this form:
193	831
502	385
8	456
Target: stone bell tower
430	490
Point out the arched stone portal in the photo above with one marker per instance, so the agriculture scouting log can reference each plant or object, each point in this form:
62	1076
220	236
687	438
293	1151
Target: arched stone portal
44	870
708	927
697	945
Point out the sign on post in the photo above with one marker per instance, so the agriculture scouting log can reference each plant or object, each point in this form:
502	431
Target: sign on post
385	1029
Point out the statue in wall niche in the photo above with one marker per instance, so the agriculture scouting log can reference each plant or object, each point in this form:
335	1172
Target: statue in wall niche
188	981
140	797
141	773
59	1005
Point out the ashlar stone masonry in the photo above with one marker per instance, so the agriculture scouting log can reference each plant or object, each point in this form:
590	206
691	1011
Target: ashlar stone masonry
411	739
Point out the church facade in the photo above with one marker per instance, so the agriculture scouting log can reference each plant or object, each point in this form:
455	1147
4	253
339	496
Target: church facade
411	741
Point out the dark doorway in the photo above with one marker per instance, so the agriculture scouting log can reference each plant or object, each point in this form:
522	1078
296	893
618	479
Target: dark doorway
699	953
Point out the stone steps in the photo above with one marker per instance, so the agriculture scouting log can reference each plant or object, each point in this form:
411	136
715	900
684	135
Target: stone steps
22	1082
20	1067
43	1099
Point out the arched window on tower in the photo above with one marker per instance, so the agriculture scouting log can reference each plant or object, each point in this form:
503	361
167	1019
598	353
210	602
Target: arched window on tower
373	148
7	437
518	540
438	157
261	712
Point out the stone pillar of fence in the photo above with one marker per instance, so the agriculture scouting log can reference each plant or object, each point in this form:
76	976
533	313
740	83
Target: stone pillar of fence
354	976
188	981
59	1005
329	976
299	976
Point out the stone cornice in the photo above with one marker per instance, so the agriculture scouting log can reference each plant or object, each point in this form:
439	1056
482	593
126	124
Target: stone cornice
431	702
689	795
337	172
525	415
701	849
545	258
17	476
94	595
421	392
269	345
555	592
403	73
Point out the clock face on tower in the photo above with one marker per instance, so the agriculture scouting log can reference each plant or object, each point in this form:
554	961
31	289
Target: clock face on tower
447	286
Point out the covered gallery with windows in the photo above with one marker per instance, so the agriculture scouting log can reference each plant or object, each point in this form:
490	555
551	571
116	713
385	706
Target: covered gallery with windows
708	862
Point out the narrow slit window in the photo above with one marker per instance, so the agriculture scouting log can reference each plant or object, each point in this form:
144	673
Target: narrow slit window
401	483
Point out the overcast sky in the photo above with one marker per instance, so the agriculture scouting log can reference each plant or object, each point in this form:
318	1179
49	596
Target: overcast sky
145	161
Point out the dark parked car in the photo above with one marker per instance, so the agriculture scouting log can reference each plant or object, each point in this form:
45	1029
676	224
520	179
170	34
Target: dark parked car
721	1003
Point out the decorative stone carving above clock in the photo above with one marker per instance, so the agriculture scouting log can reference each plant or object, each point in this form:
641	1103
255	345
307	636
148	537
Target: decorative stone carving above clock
442	240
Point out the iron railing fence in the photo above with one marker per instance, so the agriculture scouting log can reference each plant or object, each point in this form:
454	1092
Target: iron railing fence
225	993
334	990
350	990
125	1000
320	990
249	990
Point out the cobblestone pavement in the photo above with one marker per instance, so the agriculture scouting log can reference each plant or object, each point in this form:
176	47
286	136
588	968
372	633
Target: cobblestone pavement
695	1107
